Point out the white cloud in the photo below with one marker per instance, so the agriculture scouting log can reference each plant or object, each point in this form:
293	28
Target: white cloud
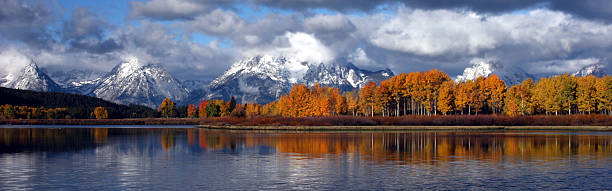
360	58
12	61
302	46
165	9
218	22
563	66
436	32
328	23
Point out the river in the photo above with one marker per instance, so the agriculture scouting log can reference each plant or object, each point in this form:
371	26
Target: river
186	158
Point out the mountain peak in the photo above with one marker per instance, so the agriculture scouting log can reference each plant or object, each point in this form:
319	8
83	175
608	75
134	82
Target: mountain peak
597	69
132	82
31	78
487	66
264	78
128	66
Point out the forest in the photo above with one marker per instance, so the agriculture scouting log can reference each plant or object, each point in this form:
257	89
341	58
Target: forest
431	93
25	104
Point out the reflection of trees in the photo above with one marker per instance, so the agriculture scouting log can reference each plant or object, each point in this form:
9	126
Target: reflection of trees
167	138
191	136
53	140
100	135
422	147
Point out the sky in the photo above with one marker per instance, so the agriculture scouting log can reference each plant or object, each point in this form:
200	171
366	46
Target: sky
199	39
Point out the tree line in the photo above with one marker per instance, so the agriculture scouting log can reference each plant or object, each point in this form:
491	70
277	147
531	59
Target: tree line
432	93
73	106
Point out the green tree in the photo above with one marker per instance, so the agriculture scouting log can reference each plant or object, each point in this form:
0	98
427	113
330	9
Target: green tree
212	110
232	104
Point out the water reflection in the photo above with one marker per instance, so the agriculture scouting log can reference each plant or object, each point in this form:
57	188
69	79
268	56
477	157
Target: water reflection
422	147
188	158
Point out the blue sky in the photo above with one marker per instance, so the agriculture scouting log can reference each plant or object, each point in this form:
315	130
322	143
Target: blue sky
199	39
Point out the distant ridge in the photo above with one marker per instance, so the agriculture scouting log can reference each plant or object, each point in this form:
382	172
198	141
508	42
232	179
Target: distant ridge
79	106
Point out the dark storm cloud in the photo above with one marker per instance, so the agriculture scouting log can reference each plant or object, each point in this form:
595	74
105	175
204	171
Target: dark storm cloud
25	22
590	9
85	31
83	24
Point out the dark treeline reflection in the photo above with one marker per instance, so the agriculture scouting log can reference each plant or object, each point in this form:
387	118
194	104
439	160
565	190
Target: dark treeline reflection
374	146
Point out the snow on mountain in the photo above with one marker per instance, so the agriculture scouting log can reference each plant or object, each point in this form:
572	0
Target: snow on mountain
488	66
263	79
134	83
77	81
598	70
30	78
193	85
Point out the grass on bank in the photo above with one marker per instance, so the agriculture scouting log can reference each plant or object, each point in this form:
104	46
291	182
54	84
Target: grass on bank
452	120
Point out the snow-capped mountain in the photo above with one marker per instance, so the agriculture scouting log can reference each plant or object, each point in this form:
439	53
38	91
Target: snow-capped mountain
30	78
77	81
134	83
193	85
263	79
598	70
487	66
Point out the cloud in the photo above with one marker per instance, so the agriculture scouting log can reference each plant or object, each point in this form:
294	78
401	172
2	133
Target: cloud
564	66
218	22
12	61
448	39
302	46
84	23
156	43
85	31
359	57
329	27
590	9
166	9
26	22
437	32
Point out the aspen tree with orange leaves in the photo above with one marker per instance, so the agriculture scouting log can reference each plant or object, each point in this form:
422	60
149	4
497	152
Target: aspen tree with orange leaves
202	109
191	111
494	89
446	97
367	99
604	94
430	92
586	94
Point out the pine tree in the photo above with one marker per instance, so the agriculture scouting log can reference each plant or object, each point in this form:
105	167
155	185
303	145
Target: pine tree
232	104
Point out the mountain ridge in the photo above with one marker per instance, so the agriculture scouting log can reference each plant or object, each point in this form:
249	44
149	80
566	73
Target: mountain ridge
264	78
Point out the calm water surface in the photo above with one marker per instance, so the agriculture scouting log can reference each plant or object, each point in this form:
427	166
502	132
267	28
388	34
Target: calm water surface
146	158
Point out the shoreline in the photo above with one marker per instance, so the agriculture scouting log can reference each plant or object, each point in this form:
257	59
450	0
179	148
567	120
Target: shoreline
404	128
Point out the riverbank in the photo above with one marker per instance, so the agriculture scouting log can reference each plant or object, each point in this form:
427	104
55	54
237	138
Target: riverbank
487	121
404	128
